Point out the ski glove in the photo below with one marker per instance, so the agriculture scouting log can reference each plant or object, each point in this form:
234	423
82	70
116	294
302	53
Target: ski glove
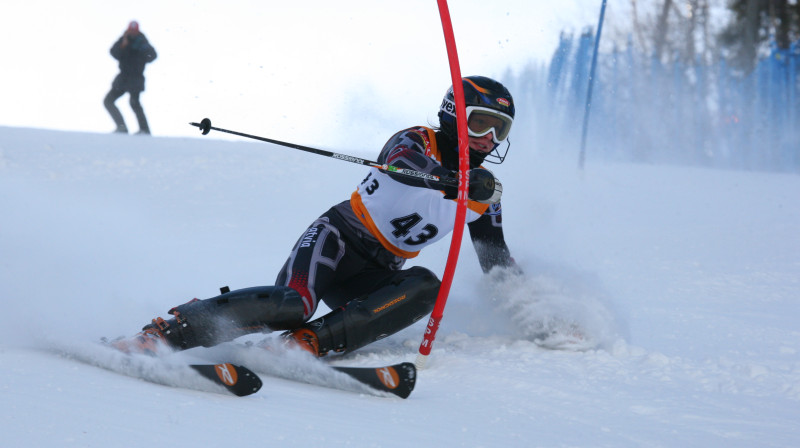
483	187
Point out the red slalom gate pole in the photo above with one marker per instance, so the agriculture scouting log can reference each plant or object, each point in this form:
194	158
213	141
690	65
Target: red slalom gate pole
463	181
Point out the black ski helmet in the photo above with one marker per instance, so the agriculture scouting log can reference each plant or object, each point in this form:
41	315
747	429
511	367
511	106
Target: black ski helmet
479	92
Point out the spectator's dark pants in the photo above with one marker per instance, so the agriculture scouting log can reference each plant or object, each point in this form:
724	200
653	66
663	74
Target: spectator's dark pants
136	105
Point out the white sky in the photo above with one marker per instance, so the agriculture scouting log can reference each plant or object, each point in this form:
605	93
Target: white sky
288	70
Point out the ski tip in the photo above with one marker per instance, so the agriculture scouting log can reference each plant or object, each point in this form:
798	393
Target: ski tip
397	379
238	380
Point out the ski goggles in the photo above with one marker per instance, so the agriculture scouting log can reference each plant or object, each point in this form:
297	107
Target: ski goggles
482	120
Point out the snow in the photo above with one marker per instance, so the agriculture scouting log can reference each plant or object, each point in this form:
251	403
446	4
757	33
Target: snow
685	280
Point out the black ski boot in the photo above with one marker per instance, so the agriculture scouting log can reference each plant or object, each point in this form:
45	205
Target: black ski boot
219	319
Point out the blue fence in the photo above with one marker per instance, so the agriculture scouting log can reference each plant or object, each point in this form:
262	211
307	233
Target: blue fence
643	110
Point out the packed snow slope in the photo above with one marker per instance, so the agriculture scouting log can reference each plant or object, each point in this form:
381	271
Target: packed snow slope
686	282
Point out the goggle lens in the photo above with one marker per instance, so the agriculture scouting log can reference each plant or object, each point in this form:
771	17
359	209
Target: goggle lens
481	121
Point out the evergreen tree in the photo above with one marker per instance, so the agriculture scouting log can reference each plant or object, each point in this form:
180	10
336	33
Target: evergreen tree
755	24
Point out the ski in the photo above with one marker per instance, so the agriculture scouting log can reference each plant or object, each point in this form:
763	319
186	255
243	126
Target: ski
390	380
397	379
238	380
297	365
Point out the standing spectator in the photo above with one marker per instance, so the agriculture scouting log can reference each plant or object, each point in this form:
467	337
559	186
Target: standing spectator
133	51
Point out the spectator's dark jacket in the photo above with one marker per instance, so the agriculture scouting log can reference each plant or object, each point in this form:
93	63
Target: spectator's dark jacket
132	60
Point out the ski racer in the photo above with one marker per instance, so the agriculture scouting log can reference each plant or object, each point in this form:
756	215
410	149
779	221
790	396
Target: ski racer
351	257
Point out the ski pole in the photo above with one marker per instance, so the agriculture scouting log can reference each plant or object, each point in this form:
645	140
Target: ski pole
436	181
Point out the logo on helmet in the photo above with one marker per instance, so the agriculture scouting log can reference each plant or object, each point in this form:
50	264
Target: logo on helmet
448	107
504	102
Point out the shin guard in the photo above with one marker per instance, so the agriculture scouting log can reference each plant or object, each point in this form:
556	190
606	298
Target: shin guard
405	299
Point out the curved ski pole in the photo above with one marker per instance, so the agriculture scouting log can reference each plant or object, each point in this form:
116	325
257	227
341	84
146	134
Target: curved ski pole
437	182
